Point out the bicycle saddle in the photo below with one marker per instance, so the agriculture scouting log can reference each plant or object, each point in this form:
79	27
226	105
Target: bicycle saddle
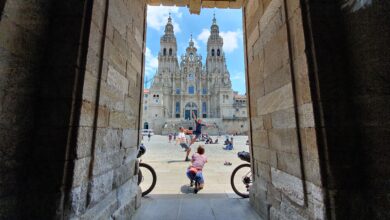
245	156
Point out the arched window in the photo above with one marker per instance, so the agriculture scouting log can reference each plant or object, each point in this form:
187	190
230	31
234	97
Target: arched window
177	109
204	91
204	109
212	52
177	91
218	52
170	51
164	51
191	90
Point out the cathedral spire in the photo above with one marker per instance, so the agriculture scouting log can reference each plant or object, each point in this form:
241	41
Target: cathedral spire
169	25
214	19
169	18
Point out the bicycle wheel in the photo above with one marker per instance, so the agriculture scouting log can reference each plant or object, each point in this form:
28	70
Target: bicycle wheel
241	180
146	178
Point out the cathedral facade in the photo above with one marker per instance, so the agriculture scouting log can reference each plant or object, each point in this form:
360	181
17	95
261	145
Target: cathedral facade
182	89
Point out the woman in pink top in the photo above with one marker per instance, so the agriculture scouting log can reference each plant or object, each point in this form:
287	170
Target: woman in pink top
194	172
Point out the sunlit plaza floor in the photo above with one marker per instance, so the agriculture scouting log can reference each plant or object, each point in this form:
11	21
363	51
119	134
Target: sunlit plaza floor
173	198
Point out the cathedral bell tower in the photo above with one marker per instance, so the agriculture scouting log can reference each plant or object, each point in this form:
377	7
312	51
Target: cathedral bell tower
215	62
168	50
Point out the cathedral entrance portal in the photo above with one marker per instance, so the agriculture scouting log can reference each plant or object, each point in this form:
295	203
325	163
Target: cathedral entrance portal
189	108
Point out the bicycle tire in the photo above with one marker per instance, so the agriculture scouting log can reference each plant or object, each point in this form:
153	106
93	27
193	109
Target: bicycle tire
154	176
232	180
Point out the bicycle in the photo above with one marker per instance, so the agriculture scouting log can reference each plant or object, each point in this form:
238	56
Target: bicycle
241	178
146	184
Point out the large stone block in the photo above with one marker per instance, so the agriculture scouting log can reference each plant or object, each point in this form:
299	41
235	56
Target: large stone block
105	162
284	140
289	185
117	81
277	79
276	51
103	209
81	170
122	120
111	98
281	98
108	140
123	174
306	116
100	187
130	138
289	163
78	199
283	119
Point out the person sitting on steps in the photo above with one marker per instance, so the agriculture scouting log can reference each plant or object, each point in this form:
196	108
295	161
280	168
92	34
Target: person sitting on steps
194	172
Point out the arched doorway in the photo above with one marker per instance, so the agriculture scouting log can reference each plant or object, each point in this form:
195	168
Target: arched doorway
146	125
189	108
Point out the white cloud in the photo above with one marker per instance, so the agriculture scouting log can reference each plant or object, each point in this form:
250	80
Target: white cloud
204	35
231	40
151	63
237	76
158	17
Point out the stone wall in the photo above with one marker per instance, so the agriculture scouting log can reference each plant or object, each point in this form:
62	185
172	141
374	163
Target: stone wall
285	158
70	84
104	182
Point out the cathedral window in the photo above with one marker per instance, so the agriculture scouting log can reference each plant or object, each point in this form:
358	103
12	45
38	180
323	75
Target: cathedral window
165	51
177	107
190	76
204	107
191	90
177	91
212	52
170	51
218	52
204	91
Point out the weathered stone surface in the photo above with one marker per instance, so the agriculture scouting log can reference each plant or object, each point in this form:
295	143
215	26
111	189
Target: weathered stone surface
101	186
284	140
81	169
105	161
122	120
290	185
278	100
102	210
130	138
117	81
284	118
123	174
79	199
306	115
108	140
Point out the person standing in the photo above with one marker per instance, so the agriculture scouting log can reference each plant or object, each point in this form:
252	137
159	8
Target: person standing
182	140
149	135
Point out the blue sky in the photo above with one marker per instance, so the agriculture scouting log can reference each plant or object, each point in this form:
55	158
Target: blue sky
185	24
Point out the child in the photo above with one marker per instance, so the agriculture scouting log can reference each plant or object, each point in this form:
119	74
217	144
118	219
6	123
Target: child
181	138
194	172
